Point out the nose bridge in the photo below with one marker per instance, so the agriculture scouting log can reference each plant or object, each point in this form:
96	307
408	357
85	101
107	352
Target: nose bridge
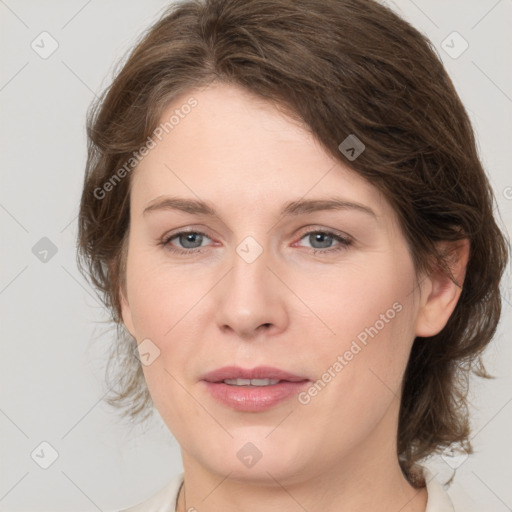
249	297
250	250
250	269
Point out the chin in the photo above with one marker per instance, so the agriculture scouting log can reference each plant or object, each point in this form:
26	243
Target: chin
256	457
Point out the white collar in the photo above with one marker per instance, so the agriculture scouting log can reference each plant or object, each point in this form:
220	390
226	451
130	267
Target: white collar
438	499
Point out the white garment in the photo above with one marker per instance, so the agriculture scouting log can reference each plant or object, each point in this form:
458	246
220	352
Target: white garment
165	499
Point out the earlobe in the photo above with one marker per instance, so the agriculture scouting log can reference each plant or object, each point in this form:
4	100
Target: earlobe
439	292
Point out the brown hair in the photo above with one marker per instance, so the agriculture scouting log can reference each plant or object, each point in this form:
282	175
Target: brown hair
340	67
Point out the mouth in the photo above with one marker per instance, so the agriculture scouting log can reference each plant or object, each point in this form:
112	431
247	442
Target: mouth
253	390
259	376
251	382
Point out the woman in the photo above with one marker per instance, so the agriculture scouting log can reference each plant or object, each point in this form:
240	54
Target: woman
285	212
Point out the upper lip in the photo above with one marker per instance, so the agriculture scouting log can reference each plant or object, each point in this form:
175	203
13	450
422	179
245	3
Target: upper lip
260	372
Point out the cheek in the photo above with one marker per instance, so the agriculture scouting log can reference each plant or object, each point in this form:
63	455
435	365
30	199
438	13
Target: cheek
164	304
363	363
368	304
161	296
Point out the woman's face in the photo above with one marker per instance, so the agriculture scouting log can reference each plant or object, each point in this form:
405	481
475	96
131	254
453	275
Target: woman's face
271	279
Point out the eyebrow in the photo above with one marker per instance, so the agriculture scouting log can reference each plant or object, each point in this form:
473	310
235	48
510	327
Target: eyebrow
293	208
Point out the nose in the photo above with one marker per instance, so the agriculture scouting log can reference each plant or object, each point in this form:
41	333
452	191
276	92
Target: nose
251	298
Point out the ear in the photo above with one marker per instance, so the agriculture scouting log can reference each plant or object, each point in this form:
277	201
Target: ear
439	294
126	312
118	271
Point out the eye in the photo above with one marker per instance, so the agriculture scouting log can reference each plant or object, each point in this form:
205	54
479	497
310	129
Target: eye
191	242
322	241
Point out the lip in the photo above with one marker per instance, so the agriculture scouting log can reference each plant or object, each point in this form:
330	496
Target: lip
253	398
260	372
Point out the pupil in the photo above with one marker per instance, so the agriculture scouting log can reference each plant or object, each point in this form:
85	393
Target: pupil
322	237
189	238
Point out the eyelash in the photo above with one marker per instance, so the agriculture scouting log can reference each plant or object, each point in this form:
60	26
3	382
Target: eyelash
344	242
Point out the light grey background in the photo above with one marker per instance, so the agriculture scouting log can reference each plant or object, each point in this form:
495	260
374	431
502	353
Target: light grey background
53	350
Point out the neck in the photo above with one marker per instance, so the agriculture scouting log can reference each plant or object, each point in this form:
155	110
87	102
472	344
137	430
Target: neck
382	491
365	478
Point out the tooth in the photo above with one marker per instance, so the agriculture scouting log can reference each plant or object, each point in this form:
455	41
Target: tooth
251	382
263	382
238	382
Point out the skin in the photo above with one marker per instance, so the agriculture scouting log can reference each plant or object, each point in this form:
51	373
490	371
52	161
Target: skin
289	308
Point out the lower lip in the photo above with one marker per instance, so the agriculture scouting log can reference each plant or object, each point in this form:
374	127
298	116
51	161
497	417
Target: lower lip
254	398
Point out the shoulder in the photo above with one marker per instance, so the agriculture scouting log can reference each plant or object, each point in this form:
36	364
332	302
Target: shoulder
162	501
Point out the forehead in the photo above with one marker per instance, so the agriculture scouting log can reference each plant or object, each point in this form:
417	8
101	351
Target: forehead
234	147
